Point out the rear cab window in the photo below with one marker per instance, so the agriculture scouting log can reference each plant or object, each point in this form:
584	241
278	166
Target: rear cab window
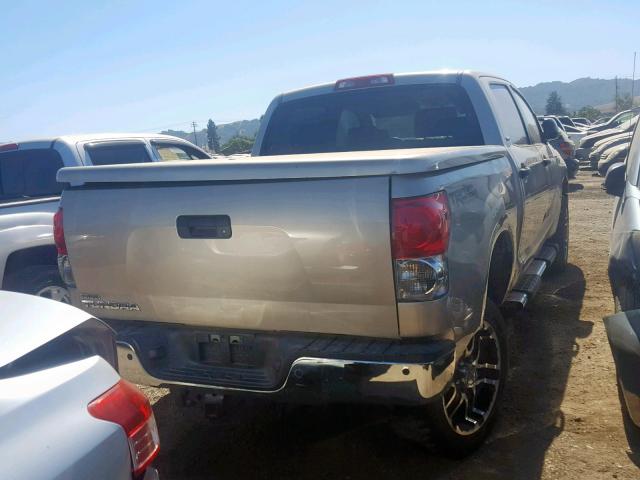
29	174
168	151
374	118
117	153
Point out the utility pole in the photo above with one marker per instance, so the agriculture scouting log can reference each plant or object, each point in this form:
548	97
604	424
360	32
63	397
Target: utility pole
633	79
195	135
616	98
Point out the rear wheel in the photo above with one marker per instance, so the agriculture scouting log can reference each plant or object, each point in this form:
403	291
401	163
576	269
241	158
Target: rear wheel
464	414
40	280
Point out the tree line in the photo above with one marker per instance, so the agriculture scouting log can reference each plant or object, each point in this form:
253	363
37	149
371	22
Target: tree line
237	144
555	106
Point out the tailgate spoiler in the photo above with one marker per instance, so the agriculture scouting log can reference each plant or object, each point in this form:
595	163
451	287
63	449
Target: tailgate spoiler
322	165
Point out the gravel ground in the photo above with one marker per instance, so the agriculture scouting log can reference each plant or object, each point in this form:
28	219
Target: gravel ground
561	418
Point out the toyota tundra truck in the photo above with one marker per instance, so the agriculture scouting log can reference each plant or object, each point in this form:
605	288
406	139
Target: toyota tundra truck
365	252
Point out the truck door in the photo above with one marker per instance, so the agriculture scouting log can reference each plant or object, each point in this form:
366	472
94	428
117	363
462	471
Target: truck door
552	167
532	170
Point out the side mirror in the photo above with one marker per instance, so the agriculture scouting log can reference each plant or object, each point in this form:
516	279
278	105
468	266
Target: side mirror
615	180
550	130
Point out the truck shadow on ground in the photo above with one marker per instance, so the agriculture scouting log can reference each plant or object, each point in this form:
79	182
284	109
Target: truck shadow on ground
262	440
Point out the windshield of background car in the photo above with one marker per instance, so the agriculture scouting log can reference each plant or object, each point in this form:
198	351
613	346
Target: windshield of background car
407	116
628	124
624	118
29	174
169	152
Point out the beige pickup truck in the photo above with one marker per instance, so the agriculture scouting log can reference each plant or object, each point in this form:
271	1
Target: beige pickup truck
361	254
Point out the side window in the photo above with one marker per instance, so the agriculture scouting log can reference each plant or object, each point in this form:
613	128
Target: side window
529	118
623	118
508	115
29	174
117	153
171	151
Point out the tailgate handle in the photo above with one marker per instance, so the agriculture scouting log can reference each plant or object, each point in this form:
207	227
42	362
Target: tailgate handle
204	226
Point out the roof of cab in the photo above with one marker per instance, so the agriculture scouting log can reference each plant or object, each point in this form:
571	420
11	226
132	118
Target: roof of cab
91	137
443	76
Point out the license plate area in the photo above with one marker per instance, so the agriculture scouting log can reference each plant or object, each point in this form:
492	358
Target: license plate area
229	350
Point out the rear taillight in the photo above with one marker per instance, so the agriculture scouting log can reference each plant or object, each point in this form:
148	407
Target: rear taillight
127	406
566	148
64	265
420	237
58	233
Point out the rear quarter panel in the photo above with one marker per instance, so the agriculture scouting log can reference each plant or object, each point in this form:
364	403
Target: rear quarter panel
482	200
25	225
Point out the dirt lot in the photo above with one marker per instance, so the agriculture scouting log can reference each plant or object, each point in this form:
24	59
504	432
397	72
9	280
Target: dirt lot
561	418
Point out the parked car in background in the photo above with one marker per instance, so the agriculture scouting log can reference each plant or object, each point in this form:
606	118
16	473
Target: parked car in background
602	145
615	154
601	120
623	328
616	121
29	195
581	121
574	134
362	256
566	120
586	144
565	146
64	411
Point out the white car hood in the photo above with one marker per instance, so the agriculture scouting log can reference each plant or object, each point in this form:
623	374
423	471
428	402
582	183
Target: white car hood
28	322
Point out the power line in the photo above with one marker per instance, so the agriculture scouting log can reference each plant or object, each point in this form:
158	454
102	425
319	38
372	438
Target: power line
633	79
195	135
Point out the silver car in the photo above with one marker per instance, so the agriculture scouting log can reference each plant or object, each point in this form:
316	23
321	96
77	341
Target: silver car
64	411
623	328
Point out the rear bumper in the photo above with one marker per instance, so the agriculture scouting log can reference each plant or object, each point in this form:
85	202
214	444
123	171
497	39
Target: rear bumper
321	379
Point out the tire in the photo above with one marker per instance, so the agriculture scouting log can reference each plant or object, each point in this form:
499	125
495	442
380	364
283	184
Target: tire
573	166
561	237
40	280
626	299
631	430
457	433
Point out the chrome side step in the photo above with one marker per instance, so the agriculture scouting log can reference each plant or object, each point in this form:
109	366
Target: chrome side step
529	283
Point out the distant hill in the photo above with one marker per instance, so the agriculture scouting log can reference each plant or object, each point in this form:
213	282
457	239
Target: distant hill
578	93
226	131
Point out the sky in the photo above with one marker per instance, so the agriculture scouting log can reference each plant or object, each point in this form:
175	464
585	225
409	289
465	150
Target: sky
89	66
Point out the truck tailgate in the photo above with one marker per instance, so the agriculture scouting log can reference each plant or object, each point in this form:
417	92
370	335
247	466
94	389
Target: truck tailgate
306	255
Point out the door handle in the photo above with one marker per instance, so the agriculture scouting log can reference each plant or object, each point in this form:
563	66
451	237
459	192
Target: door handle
204	226
524	171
